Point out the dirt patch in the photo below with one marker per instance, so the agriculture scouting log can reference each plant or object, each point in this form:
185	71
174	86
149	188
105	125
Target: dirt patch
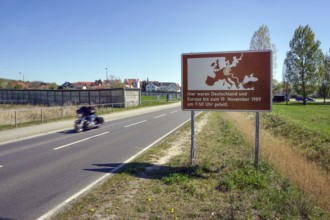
130	191
308	176
178	146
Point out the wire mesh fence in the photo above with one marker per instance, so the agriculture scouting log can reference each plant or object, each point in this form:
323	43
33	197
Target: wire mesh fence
17	115
36	114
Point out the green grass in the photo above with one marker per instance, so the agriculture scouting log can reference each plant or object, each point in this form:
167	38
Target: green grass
153	100
222	184
313	116
307	127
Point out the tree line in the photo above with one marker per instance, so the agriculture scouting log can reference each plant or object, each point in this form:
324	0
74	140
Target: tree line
306	69
18	84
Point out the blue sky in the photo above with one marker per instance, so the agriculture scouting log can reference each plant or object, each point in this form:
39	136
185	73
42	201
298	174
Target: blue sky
76	40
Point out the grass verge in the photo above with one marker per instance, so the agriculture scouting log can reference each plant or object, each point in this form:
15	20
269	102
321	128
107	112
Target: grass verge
307	128
222	184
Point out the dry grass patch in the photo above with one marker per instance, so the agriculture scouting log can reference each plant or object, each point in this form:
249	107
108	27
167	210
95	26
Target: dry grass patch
26	115
306	174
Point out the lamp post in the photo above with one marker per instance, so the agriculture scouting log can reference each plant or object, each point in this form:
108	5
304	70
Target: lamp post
22	75
106	76
106	73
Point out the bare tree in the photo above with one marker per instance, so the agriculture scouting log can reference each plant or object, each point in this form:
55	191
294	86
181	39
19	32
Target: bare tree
261	41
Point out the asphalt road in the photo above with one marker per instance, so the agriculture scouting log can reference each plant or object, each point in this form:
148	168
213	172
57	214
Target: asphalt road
40	173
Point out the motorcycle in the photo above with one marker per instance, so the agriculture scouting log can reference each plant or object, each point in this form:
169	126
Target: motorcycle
87	119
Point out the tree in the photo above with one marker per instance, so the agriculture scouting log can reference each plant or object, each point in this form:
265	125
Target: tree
144	85
303	61
18	87
115	82
4	84
324	89
35	84
276	86
98	82
52	86
261	41
286	82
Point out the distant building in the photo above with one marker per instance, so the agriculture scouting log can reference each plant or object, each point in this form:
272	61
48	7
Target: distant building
169	87
43	86
113	83
163	87
152	86
66	85
132	83
84	85
18	84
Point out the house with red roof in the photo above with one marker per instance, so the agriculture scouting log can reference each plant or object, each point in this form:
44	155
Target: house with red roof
87	85
132	83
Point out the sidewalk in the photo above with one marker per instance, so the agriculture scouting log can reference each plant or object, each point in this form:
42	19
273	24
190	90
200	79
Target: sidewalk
16	134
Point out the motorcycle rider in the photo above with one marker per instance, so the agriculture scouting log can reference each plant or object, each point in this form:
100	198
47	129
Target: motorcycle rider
87	118
91	114
88	113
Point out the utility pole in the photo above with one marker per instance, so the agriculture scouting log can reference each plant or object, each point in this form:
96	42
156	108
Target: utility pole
106	76
106	73
22	75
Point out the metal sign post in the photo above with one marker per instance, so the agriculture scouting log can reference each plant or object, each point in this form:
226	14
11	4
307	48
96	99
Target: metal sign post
256	157
192	152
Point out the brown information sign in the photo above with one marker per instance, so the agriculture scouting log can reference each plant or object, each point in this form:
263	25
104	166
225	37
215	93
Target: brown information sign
228	81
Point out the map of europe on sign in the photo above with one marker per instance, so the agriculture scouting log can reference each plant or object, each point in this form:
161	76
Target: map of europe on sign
227	81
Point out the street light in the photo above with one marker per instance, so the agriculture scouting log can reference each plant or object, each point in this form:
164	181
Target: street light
107	78
106	73
22	75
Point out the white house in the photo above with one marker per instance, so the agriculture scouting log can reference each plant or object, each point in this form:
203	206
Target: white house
163	87
172	87
151	87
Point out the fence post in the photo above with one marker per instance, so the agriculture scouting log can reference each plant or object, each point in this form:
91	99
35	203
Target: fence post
41	116
15	119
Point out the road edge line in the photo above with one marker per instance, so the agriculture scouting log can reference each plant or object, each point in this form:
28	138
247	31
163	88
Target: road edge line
53	211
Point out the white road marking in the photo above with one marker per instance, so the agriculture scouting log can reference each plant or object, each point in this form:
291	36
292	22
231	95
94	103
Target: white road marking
1	166
173	112
160	116
63	146
103	178
135	123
